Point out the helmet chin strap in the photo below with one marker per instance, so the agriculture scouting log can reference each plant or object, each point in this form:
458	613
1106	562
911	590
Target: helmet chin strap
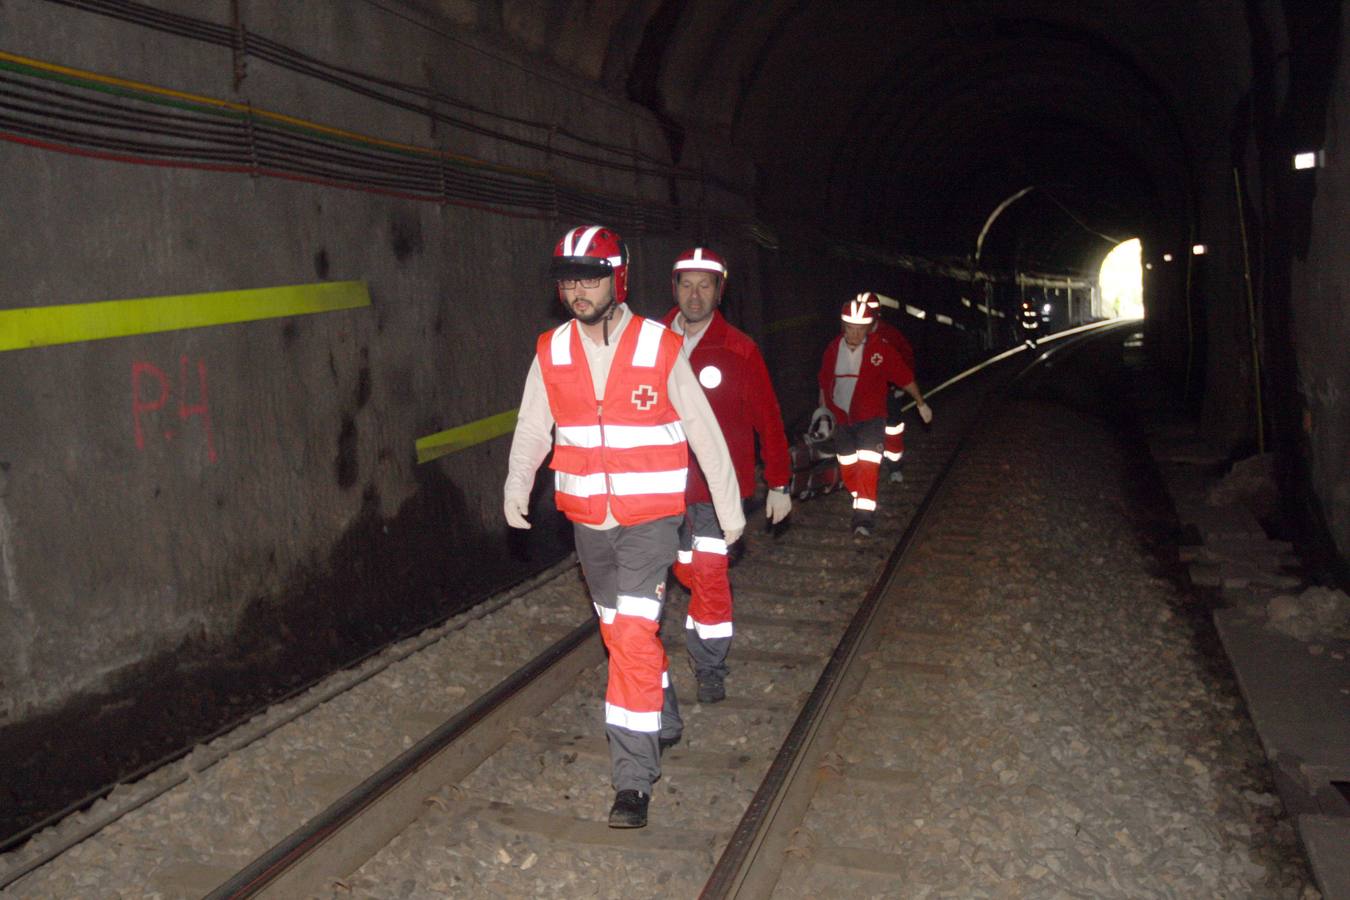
604	327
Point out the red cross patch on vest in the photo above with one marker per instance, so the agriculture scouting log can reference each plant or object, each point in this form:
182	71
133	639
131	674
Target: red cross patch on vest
644	397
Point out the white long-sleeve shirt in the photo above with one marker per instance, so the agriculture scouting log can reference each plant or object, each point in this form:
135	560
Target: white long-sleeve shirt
534	427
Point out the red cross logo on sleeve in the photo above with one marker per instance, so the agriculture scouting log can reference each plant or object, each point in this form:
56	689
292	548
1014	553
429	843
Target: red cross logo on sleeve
876	359
644	397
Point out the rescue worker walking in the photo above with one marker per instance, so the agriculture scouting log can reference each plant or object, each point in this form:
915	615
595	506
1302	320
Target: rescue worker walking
736	381
625	408
1030	320
895	421
854	374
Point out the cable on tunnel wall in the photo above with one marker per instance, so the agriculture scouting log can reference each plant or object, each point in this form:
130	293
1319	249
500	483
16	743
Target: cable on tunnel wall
248	44
59	108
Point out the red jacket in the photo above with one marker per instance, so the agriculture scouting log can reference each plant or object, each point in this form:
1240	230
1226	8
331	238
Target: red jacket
896	338
626	451
881	364
744	402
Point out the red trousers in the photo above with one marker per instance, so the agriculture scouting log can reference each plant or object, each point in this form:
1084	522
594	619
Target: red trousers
859	446
701	566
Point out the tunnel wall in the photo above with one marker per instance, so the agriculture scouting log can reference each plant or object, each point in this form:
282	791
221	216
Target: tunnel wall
1320	296
205	493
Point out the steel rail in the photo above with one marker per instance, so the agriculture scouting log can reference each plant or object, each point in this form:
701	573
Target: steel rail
357	825
750	865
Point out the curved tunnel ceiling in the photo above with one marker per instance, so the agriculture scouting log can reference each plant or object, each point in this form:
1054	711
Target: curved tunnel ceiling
904	124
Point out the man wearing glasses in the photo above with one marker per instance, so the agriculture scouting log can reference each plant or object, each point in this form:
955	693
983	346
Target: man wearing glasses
625	409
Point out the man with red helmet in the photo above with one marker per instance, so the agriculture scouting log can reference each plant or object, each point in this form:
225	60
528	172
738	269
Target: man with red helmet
895	423
625	408
854	374
733	375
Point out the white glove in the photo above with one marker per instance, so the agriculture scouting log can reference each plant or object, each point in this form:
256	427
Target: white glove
516	509
777	505
925	412
732	535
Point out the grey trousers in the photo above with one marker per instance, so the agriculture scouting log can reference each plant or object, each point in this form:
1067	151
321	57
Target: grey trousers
625	569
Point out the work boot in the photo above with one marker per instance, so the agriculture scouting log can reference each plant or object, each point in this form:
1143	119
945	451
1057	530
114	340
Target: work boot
710	688
862	524
629	809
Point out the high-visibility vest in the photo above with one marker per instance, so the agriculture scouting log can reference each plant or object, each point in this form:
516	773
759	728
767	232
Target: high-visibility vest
627	451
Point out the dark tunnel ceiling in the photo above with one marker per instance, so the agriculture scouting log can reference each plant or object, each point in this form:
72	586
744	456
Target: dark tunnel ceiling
904	124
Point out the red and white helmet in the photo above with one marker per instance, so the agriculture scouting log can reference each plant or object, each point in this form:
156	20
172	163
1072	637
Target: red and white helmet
876	301
700	259
857	312
592	251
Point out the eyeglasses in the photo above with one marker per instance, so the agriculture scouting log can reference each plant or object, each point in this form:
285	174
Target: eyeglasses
570	283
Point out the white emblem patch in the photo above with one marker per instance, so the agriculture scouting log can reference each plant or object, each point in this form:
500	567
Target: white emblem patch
710	377
876	359
644	397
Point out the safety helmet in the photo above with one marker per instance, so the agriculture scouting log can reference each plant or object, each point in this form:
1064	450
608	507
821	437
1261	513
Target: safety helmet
857	312
592	251
700	259
876	301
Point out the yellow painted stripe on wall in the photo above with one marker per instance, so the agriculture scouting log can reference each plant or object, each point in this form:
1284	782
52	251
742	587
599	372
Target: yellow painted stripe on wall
43	326
462	436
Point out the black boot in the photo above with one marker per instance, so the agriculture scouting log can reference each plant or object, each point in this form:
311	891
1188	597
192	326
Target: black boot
711	688
629	809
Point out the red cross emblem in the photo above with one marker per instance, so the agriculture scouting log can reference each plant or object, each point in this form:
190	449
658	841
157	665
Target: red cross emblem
876	359
644	397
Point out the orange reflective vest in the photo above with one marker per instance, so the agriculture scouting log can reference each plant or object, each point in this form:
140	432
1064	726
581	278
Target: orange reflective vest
627	451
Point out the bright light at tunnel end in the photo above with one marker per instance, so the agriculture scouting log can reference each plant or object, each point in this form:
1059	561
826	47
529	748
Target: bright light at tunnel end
1122	281
1308	159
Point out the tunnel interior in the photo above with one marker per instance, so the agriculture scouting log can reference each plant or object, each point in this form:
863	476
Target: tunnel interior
957	156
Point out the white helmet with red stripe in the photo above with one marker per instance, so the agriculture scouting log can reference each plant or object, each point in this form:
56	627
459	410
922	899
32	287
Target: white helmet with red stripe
700	259
857	312
592	251
875	301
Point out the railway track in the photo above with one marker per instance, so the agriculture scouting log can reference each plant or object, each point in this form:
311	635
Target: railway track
522	774
508	797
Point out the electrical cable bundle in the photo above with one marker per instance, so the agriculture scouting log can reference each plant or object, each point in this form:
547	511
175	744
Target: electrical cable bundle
58	108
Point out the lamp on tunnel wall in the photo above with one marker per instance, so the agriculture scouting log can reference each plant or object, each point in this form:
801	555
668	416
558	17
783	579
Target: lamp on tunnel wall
1308	159
1167	257
1199	249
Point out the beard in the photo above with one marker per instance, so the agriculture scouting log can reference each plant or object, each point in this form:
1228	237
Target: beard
597	312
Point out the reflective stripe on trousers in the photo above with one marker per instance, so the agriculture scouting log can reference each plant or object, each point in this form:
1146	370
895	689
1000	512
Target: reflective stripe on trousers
625	569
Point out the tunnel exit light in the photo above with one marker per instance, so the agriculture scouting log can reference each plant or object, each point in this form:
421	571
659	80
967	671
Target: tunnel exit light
1308	159
1199	250
1167	257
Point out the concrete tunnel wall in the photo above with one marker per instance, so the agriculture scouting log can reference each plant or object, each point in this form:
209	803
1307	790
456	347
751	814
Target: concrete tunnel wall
287	497
1320	295
111	554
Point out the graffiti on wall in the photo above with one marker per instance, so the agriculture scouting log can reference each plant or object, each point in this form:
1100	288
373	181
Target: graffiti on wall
151	412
